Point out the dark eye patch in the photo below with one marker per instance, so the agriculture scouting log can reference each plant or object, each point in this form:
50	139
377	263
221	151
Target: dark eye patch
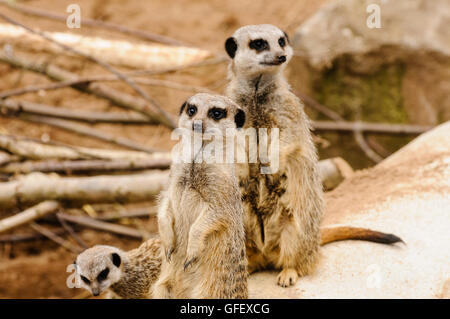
259	45
86	281
217	113
103	274
191	110
282	42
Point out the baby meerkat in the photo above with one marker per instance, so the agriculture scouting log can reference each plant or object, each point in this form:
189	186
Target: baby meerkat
129	274
201	216
283	210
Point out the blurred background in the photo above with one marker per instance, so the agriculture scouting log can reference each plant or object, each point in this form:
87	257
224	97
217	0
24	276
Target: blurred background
369	87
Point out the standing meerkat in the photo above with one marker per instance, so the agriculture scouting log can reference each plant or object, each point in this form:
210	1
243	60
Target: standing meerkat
201	216
128	274
283	210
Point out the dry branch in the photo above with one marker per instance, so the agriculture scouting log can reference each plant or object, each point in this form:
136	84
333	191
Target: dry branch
13	107
85	130
28	215
93	23
375	128
84	166
70	230
38	150
12	238
135	213
57	239
165	117
97	224
36	187
103	78
359	138
142	105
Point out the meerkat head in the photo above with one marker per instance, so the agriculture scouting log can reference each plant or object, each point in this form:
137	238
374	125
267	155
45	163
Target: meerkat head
207	112
259	49
99	267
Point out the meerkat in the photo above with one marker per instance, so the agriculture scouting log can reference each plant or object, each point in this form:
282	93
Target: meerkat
201	216
283	211
129	275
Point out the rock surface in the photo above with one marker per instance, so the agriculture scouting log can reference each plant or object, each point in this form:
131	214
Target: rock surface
413	34
407	194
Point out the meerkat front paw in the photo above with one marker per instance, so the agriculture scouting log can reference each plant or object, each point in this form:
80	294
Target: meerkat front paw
287	277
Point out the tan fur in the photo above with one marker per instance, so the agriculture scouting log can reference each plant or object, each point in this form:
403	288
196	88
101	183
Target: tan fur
201	221
138	270
286	206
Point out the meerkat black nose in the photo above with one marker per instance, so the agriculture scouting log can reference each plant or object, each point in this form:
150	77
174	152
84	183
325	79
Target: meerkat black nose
281	58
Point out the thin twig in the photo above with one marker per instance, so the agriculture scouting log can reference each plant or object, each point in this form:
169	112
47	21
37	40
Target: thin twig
375	128
57	239
168	119
15	107
85	130
118	98
336	117
105	78
70	230
359	138
109	227
95	23
12	238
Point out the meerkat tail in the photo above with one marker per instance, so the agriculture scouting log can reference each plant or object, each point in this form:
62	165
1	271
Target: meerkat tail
332	234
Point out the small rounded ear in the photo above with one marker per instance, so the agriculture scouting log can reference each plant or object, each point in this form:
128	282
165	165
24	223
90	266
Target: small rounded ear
287	37
239	118
182	108
116	259
231	47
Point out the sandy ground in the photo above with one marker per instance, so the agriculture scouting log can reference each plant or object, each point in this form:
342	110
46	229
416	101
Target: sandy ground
409	195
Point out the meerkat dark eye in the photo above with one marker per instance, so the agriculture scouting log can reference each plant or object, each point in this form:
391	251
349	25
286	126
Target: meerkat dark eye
191	110
86	281
281	42
259	45
103	274
217	113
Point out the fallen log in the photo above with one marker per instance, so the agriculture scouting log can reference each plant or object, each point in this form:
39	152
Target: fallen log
145	35
117	52
6	158
28	215
84	166
36	187
38	150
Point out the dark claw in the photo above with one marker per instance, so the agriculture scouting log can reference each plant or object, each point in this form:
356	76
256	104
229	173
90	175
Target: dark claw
169	253
189	262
